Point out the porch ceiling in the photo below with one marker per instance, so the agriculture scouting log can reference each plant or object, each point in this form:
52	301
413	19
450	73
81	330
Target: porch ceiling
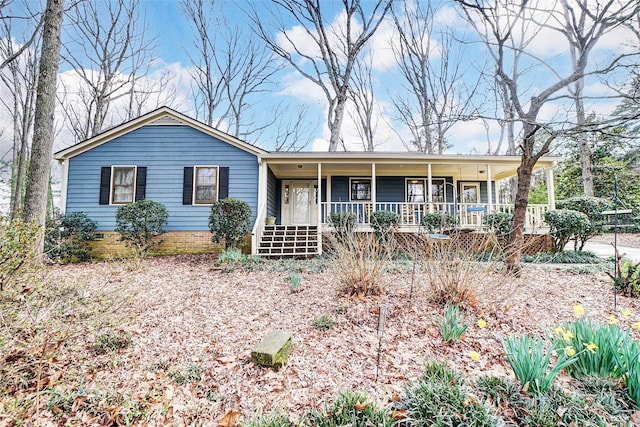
304	168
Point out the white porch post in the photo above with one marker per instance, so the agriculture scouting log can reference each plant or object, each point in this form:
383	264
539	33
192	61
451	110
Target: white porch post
328	211
262	206
429	188
63	185
551	192
373	187
489	190
319	220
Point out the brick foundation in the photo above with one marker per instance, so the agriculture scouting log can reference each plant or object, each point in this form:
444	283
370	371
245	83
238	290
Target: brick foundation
173	243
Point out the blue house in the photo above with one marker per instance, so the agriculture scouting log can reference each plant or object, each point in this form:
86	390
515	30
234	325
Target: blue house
170	158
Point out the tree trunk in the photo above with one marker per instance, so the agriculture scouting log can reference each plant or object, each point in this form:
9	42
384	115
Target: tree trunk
585	163
35	203
336	124
516	237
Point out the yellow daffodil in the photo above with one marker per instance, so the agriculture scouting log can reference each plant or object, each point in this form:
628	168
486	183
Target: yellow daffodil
578	309
567	335
569	351
482	323
636	325
613	320
625	313
591	346
475	356
558	331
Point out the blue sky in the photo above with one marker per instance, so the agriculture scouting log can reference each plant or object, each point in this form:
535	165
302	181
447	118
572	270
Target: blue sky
166	20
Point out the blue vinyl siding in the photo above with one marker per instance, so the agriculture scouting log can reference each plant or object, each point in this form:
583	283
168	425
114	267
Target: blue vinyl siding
165	151
272	193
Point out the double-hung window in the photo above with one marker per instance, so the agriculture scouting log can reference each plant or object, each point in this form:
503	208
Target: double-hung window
360	189
123	184
205	185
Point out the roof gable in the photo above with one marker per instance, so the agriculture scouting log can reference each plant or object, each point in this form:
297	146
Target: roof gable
163	116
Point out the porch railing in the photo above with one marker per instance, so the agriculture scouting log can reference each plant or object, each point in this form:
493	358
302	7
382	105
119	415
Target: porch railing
468	214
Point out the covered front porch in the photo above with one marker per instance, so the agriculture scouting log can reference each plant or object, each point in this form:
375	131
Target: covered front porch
303	189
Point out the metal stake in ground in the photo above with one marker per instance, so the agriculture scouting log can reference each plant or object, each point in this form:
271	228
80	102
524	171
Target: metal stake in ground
382	319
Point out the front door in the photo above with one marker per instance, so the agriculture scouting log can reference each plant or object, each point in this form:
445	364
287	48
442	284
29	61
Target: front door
300	202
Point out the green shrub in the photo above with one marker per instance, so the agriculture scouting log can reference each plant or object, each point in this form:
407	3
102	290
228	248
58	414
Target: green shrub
67	237
438	221
592	207
17	249
566	225
230	220
349	409
597	345
452	325
138	223
323	322
527	358
383	222
441	398
499	222
343	222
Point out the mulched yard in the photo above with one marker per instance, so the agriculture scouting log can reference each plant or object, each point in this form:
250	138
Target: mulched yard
192	327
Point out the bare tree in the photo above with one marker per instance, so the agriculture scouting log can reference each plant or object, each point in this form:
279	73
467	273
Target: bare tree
20	80
41	148
110	51
361	94
230	67
431	64
330	62
293	129
507	30
6	18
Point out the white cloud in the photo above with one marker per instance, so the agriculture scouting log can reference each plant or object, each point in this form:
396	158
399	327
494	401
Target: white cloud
381	46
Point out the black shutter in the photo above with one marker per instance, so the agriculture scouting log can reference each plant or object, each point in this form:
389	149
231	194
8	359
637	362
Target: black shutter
187	186
141	182
105	185
223	183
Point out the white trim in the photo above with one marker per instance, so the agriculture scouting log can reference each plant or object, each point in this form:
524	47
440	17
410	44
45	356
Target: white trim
356	178
424	188
193	184
429	187
551	192
63	185
470	184
374	188
489	190
133	193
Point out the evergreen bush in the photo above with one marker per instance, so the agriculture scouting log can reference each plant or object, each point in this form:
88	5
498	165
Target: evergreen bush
438	221
499	222
138	223
67	237
383	222
566	225
230	220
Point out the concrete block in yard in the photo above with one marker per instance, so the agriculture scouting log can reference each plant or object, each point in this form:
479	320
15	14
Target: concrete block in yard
273	350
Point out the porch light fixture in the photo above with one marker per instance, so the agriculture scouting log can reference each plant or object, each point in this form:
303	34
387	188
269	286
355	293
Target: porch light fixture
299	166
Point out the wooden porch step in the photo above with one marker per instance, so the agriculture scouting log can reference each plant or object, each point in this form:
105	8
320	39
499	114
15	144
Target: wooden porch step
279	241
